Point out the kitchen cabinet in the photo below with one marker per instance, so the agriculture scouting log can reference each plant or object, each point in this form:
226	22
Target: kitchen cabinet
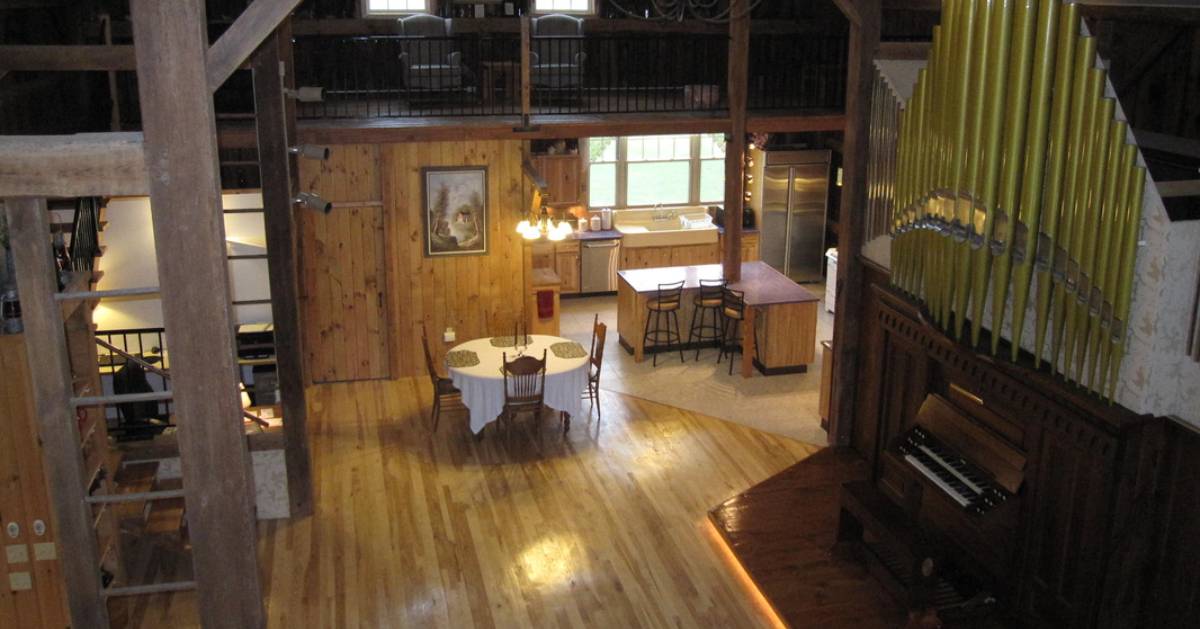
561	173
682	255
566	264
750	250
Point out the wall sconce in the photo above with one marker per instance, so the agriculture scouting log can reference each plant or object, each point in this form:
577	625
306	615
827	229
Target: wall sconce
306	94
310	151
313	202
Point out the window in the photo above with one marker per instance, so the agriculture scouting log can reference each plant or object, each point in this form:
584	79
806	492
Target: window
564	6
394	7
644	170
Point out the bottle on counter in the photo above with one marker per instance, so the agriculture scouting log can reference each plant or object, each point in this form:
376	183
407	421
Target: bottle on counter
606	218
596	223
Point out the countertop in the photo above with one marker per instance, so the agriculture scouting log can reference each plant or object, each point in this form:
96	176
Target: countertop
604	234
762	284
752	230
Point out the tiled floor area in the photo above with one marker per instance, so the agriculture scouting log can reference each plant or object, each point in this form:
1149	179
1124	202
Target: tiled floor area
785	405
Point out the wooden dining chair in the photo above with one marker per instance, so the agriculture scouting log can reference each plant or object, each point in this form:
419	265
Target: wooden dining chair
444	391
595	363
524	386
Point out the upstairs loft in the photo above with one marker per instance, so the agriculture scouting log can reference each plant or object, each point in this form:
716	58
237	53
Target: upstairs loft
563	76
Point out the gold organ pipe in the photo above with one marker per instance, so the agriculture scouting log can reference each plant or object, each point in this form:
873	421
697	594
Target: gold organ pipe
959	197
1091	296
1030	214
1017	119
937	85
975	89
1132	232
999	40
1071	82
1085	232
1078	187
1107	266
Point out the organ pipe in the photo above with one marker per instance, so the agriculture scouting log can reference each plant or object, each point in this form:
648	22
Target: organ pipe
1008	163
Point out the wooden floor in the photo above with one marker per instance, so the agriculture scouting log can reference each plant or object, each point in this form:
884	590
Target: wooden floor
606	527
783	530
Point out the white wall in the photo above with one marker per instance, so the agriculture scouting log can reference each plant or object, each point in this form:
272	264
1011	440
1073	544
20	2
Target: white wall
130	261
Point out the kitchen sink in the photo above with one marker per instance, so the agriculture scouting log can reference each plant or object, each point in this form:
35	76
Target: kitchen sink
664	228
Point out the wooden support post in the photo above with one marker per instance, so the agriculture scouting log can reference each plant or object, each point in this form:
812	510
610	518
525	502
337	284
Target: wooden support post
864	40
735	146
50	373
243	37
189	233
276	124
526	60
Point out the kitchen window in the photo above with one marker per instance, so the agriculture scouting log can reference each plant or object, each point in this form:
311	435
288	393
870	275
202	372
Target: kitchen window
394	7
576	7
645	170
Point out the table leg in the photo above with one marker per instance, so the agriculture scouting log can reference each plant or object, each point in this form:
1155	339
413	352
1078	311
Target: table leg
748	342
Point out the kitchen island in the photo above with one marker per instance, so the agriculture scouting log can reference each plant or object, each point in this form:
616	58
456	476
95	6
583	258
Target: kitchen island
782	313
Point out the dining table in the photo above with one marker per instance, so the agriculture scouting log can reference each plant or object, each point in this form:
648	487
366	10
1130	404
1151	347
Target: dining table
476	369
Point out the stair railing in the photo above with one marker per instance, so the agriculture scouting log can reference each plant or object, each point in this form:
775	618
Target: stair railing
262	423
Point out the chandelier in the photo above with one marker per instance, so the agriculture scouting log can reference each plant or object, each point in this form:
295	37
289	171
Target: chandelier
678	10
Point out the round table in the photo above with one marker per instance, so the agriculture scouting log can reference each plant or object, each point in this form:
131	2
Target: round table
482	385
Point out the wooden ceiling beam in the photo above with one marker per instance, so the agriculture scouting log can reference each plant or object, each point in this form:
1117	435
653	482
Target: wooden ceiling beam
849	8
105	164
243	37
66	58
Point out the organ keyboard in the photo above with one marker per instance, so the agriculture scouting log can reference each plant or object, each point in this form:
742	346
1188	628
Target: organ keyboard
964	482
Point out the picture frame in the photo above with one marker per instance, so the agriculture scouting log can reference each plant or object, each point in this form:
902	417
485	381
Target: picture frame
454	205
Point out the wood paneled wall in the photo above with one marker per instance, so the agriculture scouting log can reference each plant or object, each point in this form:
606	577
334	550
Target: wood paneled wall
476	295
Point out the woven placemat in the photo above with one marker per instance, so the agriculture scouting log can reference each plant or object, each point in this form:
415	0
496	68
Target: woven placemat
508	341
570	349
462	358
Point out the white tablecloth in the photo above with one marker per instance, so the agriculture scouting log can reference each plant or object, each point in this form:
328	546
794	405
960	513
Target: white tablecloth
482	385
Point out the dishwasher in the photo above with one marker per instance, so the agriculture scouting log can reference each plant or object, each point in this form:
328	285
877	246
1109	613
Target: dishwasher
598	265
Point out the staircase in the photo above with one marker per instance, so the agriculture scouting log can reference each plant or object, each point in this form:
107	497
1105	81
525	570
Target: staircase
81	223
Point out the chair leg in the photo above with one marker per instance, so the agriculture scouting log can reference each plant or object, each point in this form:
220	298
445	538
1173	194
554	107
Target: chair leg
678	337
721	340
657	327
733	344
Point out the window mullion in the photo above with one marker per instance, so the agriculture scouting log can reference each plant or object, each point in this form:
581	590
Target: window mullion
622	173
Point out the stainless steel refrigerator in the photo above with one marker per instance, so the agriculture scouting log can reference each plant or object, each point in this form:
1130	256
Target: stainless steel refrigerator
795	194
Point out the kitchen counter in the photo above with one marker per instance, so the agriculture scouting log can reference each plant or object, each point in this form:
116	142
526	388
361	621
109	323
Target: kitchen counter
783	314
604	234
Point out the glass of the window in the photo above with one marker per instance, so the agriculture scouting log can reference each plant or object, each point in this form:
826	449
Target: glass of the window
562	6
389	7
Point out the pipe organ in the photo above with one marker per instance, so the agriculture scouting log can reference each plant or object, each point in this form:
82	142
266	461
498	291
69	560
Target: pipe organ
1012	166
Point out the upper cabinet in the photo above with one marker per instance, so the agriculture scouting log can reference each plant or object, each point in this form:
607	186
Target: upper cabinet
562	178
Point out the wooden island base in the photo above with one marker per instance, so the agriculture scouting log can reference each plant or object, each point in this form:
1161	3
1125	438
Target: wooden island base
782	313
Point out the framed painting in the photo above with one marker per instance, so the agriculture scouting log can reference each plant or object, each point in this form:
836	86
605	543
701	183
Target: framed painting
454	201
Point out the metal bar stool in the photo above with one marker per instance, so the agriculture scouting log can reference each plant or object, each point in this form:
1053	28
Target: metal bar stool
733	312
665	304
707	301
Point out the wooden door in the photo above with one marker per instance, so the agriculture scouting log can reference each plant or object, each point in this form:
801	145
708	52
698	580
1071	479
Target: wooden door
343	279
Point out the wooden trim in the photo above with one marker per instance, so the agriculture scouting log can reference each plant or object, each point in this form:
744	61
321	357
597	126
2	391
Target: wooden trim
735	145
851	10
864	41
526	60
249	30
58	430
402	130
66	58
911	51
105	164
185	199
276	123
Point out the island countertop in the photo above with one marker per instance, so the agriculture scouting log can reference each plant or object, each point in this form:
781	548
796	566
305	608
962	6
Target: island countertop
762	284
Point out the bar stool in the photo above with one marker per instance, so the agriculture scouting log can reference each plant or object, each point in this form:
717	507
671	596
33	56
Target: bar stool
665	304
733	312
707	301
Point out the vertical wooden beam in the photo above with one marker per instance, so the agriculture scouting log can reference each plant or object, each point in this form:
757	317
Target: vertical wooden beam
189	234
526	60
864	41
735	147
50	373
276	124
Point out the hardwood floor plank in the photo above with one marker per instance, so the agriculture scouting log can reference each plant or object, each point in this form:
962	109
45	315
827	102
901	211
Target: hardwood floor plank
604	526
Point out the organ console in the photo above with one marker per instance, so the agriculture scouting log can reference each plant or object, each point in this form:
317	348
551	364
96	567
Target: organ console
996	490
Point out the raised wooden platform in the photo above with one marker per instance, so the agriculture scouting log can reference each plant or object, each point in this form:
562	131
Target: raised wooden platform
783	530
